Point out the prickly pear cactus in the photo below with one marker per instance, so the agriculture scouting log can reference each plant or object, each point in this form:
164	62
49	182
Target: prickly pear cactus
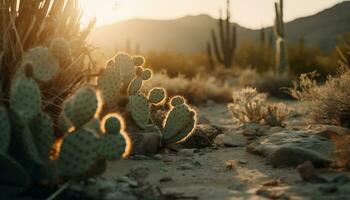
125	64
178	121
43	134
157	96
139	110
109	83
81	107
186	132
146	74
135	86
94	125
60	48
63	123
25	97
78	153
5	127
112	142
26	142
45	65
138	60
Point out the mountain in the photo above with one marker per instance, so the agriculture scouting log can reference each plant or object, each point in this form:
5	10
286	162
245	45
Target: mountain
189	34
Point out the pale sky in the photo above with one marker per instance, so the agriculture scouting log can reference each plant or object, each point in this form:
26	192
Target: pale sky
248	13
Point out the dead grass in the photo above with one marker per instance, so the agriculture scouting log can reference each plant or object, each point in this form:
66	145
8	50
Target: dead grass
197	90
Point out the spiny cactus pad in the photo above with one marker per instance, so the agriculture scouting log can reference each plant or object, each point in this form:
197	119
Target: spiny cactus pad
138	60
157	95
112	146
81	107
94	125
26	141
185	133
45	65
109	83
60	48
78	153
125	64
146	74
5	127
178	118
25	99
112	124
139	108
135	86
42	131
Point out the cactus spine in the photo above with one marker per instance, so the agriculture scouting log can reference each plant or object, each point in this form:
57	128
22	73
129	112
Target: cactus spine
282	65
226	46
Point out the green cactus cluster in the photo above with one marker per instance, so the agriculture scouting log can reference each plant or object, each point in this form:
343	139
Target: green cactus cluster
128	72
282	65
28	135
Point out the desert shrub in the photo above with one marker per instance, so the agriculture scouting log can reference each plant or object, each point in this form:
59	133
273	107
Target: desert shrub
341	150
275	85
197	90
175	63
250	106
330	102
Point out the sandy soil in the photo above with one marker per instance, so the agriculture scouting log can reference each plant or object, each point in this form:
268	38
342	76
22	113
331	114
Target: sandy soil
208	174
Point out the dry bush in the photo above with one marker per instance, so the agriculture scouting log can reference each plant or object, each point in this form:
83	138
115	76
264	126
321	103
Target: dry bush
275	85
341	150
26	24
250	106
329	103
197	90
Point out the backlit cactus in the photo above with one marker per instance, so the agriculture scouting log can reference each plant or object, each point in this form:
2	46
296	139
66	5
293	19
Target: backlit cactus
179	123
112	142
127	68
60	48
45	65
282	65
25	97
81	107
109	83
139	110
138	60
157	95
78	153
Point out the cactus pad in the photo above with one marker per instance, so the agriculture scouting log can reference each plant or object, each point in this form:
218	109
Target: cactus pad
139	108
146	74
112	124
112	146
185	133
45	65
109	83
94	125
157	95
177	100
78	153
135	86
60	48
42	131
25	99
125	64
138	60
5	127
26	142
81	107
177	119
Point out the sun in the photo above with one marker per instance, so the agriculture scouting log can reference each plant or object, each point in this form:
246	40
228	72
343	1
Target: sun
106	11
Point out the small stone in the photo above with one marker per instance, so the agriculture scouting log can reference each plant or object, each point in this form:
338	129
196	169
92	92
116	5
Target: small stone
341	179
242	162
166	179
309	174
158	157
187	152
140	157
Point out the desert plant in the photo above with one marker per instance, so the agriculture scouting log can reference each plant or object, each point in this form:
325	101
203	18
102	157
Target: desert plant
329	102
282	65
225	47
250	106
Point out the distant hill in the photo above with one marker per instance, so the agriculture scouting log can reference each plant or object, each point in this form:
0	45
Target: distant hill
190	33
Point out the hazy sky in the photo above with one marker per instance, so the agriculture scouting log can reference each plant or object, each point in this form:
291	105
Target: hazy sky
248	13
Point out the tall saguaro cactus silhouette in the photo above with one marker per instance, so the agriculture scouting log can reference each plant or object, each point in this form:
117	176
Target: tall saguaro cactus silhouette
282	65
225	47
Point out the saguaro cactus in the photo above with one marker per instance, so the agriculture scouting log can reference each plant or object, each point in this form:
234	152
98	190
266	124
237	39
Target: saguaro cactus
282	65
226	46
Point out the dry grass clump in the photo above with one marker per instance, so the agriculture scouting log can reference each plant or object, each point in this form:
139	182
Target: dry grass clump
329	103
341	150
250	106
197	90
275	85
26	24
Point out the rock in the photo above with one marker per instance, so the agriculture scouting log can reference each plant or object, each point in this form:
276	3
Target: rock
271	194
230	140
139	173
328	131
294	156
328	188
139	157
158	157
268	144
255	130
203	136
119	195
146	143
309	174
187	152
341	179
